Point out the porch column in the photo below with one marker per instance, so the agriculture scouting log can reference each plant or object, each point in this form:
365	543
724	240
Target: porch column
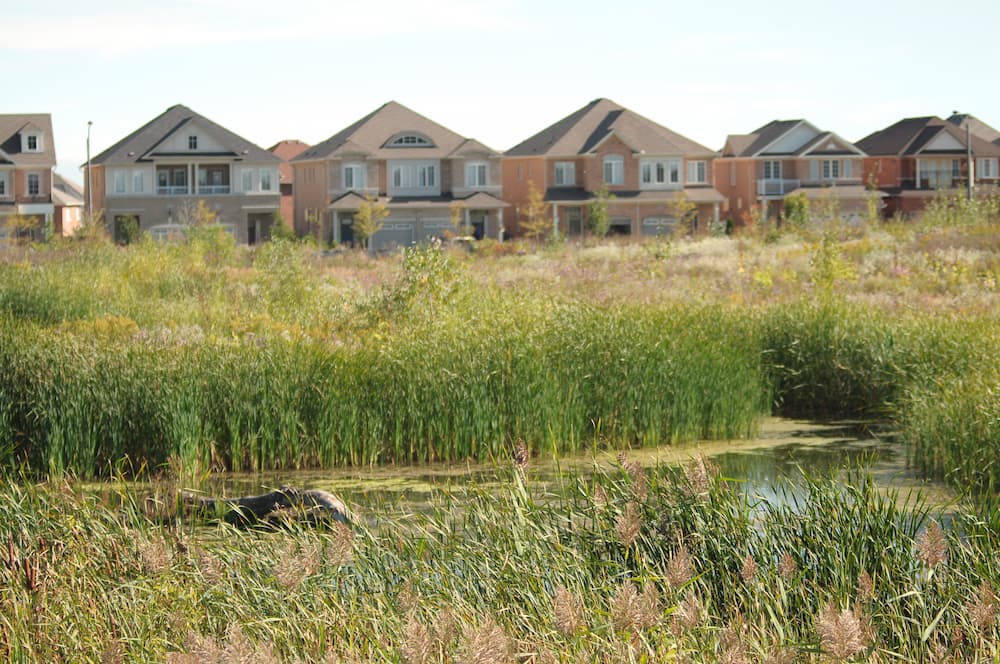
555	221
468	221
193	184
916	174
715	213
500	225
336	227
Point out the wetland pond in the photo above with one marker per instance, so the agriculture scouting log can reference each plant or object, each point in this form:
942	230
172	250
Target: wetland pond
779	454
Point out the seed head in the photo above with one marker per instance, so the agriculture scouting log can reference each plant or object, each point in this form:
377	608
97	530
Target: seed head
786	566
982	609
866	587
679	568
932	546
417	645
521	455
487	644
629	524
567	612
843	634
749	569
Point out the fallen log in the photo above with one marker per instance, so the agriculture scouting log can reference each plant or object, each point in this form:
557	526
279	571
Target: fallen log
309	506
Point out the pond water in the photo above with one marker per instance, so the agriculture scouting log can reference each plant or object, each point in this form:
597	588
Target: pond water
781	451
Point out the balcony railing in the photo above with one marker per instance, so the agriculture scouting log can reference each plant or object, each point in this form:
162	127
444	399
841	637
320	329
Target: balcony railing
173	191
213	189
776	187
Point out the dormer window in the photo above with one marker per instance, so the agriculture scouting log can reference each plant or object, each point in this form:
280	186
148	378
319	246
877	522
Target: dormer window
32	142
410	141
192	142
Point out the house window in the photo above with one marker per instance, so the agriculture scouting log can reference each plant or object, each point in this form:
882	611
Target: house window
354	176
3	184
831	169
986	168
614	169
475	175
192	142
401	177
138	184
119	182
34	186
654	172
410	140
565	174
956	168
247	176
697	172
772	170
265	180
425	176
33	143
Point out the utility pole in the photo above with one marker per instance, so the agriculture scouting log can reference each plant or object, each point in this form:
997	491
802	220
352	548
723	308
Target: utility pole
972	166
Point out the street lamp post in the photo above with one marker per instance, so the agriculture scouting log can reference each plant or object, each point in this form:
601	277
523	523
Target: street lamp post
90	182
972	166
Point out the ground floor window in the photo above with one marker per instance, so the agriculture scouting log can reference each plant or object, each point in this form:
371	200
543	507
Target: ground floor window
620	226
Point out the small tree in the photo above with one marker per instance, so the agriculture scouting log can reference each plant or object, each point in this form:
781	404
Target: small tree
459	223
598	219
796	210
683	210
535	223
127	229
369	219
93	227
21	227
280	230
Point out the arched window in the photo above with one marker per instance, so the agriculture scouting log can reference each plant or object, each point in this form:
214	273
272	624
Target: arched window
614	169
410	141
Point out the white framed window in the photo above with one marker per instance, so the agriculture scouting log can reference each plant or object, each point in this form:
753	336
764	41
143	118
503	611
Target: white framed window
119	182
31	142
659	172
614	169
138	182
3	184
986	167
697	172
353	176
34	184
426	176
475	174
772	169
247	177
192	142
956	168
830	169
402	177
266	180
410	140
413	177
565	174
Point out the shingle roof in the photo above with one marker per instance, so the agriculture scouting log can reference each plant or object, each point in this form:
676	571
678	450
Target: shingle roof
66	192
369	136
581	131
136	146
908	136
10	139
768	134
977	126
286	151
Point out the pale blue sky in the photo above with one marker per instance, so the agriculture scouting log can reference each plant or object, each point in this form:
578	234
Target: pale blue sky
496	71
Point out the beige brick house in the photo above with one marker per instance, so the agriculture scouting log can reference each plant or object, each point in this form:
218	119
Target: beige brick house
428	176
160	174
648	168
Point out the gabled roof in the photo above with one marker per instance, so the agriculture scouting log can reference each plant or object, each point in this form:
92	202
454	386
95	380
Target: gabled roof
976	126
582	131
141	144
66	192
759	142
369	137
11	126
813	147
911	136
756	141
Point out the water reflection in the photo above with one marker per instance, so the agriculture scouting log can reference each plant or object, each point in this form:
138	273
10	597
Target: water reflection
783	449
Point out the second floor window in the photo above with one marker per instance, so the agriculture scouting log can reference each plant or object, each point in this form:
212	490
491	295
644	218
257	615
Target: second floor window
192	142
138	182
831	169
354	176
3	184
475	175
697	172
565	174
614	170
660	172
32	143
772	170
986	168
265	180
34	186
119	182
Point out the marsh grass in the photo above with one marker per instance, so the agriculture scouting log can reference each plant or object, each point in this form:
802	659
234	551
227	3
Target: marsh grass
489	573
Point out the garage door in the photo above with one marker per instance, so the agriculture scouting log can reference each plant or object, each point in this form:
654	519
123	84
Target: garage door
438	229
393	235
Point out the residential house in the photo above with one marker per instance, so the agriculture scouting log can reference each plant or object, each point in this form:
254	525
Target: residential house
653	174
27	160
758	171
432	181
67	202
286	151
917	159
181	168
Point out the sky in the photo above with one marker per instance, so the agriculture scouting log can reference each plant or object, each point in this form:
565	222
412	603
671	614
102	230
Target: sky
496	71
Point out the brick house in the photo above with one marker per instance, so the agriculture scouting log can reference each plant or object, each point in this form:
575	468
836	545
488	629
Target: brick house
786	158
651	171
428	176
917	159
27	160
67	202
161	173
286	151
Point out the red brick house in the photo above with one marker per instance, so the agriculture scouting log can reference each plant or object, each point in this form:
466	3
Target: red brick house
27	160
648	168
286	151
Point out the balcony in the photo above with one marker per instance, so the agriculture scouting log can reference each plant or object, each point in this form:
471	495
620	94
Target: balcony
209	190
776	186
176	190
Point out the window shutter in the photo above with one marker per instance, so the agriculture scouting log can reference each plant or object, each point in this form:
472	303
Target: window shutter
813	169
848	167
